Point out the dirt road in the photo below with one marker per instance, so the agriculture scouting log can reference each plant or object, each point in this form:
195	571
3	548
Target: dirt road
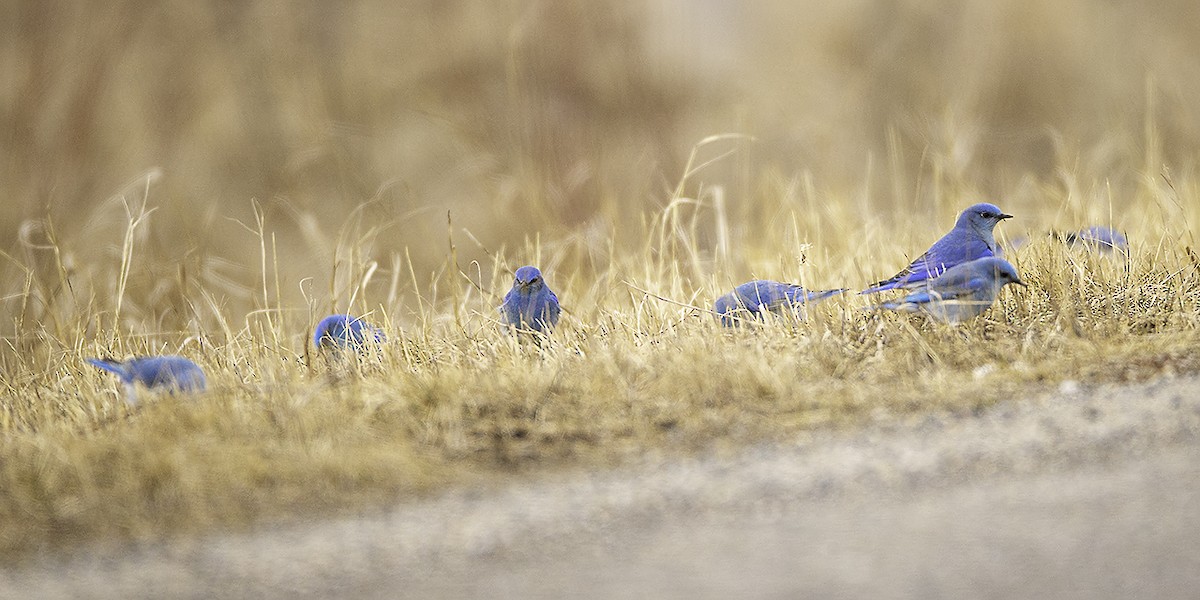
1083	493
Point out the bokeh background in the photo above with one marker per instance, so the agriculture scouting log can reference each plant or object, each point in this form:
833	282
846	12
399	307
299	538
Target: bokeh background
211	178
545	129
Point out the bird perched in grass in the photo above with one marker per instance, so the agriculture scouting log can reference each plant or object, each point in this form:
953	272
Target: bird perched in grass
970	239
754	299
340	332
170	374
530	305
963	292
1099	238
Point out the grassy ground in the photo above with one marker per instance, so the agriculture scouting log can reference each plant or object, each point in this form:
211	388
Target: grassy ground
401	195
455	400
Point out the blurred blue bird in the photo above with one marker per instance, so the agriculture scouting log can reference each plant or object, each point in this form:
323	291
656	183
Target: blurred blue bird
963	292
530	305
170	374
1103	239
754	299
337	332
970	239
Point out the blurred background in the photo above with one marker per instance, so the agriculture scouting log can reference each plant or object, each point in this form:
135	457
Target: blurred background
354	127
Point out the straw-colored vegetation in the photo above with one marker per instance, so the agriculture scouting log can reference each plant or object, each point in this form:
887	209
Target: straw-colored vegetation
213	181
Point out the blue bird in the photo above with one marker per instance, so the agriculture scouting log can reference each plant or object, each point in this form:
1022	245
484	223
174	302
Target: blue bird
530	305
171	374
754	299
1103	239
337	332
970	239
963	292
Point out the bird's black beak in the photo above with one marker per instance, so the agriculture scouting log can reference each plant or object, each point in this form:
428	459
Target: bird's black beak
1004	216
1020	283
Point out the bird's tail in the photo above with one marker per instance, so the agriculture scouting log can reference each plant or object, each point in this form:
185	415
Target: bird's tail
823	294
881	286
112	366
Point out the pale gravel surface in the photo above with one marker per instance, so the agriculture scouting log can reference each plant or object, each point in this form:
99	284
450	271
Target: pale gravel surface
1084	493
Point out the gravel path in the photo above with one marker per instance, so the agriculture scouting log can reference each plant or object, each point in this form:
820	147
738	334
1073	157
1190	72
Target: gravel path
1084	493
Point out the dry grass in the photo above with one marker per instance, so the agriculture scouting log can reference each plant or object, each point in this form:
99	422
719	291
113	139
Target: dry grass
554	134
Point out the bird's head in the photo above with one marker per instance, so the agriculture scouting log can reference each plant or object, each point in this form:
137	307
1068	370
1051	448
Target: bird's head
332	330
1006	273
982	217
528	279
1105	239
344	331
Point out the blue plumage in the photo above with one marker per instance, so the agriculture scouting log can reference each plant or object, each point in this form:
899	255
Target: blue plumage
971	239
961	293
170	374
755	298
530	305
345	332
1100	238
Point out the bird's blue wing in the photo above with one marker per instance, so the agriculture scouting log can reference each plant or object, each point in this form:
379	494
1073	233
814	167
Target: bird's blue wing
553	309
772	295
954	249
504	306
953	289
919	297
925	267
174	373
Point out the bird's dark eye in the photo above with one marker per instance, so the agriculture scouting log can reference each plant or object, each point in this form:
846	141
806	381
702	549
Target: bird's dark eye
987	215
534	280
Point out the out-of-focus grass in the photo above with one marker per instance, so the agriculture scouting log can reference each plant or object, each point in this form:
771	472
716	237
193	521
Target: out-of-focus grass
451	399
212	181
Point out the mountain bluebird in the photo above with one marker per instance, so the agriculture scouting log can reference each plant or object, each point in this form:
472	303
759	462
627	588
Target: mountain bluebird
345	332
1102	239
963	292
171	374
530	305
970	239
754	299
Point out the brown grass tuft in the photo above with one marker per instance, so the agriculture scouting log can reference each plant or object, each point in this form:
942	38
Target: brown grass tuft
212	181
